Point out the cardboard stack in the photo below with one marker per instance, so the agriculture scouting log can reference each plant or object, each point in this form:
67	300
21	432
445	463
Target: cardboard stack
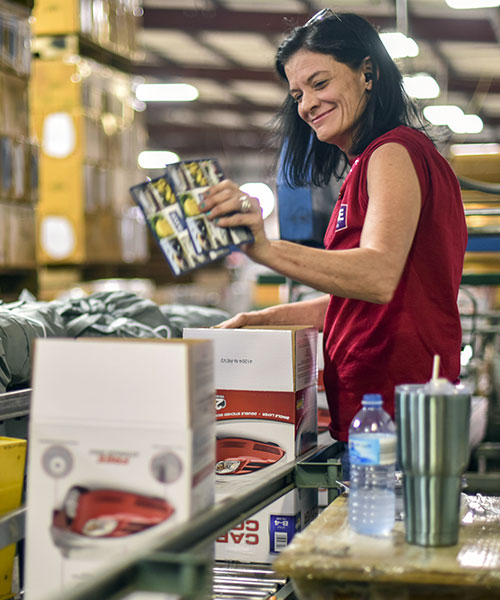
18	151
122	448
266	415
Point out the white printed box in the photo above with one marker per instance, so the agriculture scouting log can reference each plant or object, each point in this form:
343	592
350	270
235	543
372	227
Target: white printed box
122	448
261	537
265	382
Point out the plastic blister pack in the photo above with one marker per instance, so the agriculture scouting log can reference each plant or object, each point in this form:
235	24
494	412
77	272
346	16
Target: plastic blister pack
171	206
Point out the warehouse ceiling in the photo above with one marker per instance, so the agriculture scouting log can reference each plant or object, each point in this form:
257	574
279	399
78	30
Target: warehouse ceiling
226	49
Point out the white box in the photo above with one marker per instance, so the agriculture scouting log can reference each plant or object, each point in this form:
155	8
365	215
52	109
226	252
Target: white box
261	537
122	448
265	381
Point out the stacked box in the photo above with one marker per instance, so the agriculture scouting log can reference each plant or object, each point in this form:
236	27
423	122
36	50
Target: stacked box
266	413
122	448
90	136
261	537
18	152
112	24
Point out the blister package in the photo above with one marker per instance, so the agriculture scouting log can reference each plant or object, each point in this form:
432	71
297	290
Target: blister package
171	206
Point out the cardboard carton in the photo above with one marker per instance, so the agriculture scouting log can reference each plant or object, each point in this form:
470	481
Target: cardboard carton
122	448
265	382
261	537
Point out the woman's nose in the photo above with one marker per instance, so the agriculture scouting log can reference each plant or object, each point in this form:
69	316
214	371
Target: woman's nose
307	102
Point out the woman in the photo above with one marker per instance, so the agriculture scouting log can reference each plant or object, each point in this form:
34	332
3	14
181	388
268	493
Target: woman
394	248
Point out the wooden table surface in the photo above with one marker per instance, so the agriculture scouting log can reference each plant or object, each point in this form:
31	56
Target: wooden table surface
328	560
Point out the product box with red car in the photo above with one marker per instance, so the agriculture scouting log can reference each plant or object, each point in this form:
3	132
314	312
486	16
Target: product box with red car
261	537
122	448
265	381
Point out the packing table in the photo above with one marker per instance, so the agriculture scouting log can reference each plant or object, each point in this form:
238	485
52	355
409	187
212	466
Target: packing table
329	561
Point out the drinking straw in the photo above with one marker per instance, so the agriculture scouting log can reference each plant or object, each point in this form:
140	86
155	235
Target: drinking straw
435	367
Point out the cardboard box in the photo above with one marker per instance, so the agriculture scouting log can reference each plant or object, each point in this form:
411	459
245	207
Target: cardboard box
21	237
265	381
122	448
261	537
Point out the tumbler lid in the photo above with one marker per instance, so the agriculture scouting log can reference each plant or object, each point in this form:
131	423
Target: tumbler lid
371	400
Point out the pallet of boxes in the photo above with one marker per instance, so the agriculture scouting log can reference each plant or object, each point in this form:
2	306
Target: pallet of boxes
85	115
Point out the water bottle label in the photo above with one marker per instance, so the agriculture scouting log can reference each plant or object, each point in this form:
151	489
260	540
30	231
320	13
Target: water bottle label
372	450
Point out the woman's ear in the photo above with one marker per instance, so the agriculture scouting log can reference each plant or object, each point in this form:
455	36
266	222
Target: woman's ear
368	72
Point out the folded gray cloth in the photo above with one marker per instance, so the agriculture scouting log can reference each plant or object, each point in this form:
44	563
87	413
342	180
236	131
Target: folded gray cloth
186	315
116	314
20	323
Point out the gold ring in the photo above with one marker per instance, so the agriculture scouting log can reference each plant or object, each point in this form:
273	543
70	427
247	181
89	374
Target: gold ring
245	204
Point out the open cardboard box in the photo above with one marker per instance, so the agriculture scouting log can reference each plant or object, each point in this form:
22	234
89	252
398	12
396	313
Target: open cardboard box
122	448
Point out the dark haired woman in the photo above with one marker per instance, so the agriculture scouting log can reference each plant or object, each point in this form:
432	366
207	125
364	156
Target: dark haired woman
394	248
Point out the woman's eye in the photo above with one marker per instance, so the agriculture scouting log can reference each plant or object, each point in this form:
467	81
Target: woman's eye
297	98
319	84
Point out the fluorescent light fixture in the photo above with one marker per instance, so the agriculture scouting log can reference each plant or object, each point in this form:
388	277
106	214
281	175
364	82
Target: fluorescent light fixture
398	45
166	92
442	114
156	159
467	124
471	149
264	193
454	118
467	4
421	85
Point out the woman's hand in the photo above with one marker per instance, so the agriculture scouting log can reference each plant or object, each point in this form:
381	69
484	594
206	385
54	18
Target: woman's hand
227	206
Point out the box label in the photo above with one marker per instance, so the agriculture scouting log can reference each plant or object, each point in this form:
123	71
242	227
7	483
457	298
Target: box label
282	528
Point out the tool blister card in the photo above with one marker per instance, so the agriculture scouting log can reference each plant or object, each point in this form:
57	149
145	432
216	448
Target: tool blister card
171	205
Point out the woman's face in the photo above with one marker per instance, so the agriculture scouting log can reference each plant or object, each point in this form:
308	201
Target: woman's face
330	95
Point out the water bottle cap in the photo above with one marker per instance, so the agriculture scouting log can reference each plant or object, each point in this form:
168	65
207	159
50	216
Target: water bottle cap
372	400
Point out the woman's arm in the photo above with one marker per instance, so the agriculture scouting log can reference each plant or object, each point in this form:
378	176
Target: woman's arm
370	272
306	312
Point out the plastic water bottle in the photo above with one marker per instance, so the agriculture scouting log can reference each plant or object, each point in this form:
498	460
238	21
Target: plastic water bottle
372	454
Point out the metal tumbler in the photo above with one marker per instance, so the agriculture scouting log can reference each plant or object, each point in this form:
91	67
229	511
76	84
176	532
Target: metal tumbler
433	451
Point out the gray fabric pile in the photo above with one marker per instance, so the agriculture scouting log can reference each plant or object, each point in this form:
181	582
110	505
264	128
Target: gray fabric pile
111	314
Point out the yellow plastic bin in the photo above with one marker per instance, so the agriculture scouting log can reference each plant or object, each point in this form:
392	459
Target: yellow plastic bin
12	464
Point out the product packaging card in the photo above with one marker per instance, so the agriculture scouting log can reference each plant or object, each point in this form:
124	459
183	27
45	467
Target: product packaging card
171	206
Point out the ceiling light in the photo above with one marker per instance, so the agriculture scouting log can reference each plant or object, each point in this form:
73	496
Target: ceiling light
454	118
442	114
465	4
166	92
421	86
156	159
264	193
398	45
467	124
470	149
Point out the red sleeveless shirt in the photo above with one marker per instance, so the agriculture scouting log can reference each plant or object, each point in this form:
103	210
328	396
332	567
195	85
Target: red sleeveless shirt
371	348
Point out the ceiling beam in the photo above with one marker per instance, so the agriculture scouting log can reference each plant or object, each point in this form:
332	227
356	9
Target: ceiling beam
168	70
158	110
200	139
446	29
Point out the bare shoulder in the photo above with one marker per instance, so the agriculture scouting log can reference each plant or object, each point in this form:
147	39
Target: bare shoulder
392	162
390	153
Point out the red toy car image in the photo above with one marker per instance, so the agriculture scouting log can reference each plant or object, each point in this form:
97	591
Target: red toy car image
106	513
240	456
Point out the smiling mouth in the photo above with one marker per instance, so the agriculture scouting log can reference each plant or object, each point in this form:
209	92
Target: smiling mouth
319	117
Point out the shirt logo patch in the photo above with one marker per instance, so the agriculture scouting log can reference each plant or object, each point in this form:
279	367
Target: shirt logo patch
342	218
